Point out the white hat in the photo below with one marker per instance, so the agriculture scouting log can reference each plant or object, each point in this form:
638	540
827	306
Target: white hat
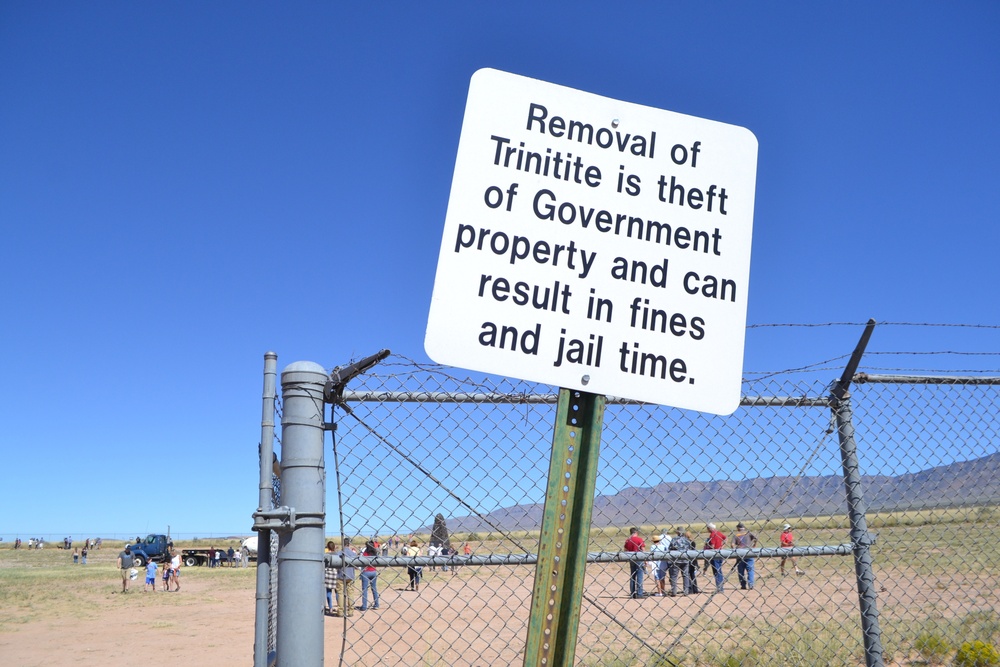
786	526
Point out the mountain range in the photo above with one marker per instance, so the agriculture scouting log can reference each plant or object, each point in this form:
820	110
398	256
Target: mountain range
966	483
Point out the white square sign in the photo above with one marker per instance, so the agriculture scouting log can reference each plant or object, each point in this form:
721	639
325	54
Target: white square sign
597	245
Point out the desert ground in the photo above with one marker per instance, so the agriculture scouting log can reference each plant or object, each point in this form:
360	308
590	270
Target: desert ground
54	611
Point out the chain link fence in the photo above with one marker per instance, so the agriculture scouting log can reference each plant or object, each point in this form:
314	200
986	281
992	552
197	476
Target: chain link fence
457	468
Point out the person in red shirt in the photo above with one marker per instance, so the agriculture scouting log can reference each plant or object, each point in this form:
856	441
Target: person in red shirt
634	543
716	540
787	542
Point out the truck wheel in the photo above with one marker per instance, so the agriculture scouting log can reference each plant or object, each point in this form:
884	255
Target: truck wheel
139	561
191	561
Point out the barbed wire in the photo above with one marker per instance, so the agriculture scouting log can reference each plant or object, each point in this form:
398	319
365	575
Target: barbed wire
861	324
938	352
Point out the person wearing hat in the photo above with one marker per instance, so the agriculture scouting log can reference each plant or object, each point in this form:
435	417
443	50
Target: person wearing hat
413	570
744	539
787	542
125	562
660	546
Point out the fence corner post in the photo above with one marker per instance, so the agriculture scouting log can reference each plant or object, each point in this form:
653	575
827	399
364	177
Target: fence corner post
861	540
303	496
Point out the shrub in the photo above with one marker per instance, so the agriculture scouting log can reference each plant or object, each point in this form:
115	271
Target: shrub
977	654
932	647
742	659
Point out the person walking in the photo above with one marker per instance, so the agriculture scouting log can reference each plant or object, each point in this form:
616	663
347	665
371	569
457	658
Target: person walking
744	539
635	544
787	541
369	578
716	540
125	562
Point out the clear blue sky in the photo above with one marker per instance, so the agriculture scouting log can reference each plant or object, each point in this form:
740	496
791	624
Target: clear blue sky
184	186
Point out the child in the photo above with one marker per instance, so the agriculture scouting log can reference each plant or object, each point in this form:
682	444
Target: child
166	577
150	576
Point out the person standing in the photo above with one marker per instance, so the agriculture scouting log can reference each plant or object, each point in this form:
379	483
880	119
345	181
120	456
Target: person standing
345	580
432	551
329	579
369	578
635	544
83	555
125	562
787	541
150	576
716	540
680	543
693	565
175	570
414	571
76	555
660	546
744	539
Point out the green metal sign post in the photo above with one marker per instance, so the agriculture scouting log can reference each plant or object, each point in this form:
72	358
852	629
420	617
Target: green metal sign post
562	551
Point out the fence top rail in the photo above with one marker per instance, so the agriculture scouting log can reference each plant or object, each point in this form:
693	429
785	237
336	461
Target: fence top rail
544	399
871	378
337	560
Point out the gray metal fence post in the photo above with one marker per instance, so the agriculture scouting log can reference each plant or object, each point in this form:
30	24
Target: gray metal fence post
303	493
861	540
260	644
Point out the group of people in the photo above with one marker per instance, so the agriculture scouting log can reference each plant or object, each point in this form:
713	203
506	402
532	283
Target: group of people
171	571
216	556
686	571
67	543
341	580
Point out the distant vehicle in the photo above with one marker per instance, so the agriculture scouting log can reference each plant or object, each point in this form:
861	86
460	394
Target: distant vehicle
248	549
154	548
157	548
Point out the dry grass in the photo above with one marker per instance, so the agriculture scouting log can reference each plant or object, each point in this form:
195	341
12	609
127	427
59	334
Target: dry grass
934	594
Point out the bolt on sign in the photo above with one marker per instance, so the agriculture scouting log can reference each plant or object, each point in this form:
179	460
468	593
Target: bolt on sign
596	245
